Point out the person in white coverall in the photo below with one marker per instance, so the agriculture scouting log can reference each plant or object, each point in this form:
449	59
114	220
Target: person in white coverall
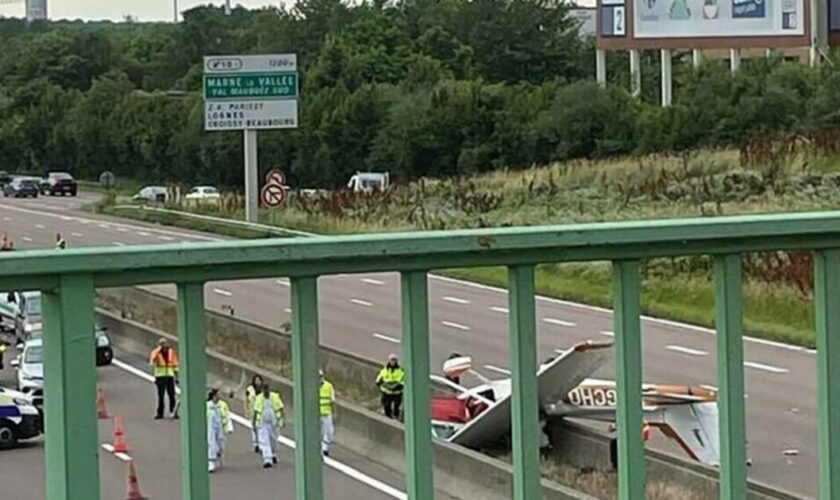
218	424
250	396
268	419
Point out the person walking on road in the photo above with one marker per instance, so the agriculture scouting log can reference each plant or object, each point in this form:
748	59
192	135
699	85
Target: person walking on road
268	418
164	361
327	403
391	383
218	424
250	398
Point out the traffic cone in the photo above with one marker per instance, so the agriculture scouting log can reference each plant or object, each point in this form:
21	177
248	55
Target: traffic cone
132	485
101	410
120	445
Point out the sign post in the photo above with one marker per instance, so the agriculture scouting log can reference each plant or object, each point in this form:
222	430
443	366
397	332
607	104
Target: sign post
250	93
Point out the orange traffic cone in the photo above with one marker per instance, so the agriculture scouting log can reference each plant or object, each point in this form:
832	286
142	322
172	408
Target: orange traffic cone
120	445
132	485
101	410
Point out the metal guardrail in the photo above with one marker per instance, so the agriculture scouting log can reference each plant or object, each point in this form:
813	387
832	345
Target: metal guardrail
68	279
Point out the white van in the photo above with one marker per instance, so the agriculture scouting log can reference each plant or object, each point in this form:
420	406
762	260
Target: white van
369	181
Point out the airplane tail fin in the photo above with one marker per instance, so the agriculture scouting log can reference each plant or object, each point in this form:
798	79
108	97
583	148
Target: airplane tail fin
694	427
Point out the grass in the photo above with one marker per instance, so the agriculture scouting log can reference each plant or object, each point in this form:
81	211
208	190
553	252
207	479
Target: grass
703	183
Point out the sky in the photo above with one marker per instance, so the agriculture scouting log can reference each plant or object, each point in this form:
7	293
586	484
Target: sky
116	10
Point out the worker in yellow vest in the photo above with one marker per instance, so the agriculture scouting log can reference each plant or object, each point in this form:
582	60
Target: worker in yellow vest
327	405
391	383
268	419
164	361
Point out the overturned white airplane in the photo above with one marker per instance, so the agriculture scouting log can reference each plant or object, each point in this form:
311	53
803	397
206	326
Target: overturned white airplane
480	414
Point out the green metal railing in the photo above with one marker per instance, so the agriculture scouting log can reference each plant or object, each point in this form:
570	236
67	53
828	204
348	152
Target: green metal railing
68	279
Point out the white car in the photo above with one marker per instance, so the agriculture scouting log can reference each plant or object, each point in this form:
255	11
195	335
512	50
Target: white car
30	368
21	312
152	193
203	193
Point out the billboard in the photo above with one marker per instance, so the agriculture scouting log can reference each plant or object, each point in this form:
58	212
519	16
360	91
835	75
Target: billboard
717	18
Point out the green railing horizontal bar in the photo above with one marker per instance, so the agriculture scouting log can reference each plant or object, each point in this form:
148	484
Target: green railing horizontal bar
227	260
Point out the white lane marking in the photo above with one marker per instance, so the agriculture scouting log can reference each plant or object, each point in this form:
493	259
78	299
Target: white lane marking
39	226
120	229
108	446
65	218
686	350
561	351
603	310
7	219
502	310
222	292
103	226
386	338
118	225
766	368
607	333
560	322
456	300
371	281
360	302
283	282
76	235
289	311
118	243
143	233
166	238
26	239
123	457
335	464
497	369
709	387
457	326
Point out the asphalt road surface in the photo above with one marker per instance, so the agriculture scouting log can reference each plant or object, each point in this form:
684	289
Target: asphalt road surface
154	447
360	314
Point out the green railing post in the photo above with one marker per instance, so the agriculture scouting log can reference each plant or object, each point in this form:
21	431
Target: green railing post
419	480
72	464
827	305
308	463
524	398
628	360
192	342
730	365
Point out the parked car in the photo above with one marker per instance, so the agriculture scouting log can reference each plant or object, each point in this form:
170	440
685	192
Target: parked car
19	418
21	188
152	193
30	367
21	313
59	183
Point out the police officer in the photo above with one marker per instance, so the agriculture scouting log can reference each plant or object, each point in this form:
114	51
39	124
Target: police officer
391	382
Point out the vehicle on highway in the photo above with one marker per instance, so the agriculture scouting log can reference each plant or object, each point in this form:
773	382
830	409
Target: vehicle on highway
21	187
19	418
59	183
152	193
30	368
369	181
480	414
21	313
203	193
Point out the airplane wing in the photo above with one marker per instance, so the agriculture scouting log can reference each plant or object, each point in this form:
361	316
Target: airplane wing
555	379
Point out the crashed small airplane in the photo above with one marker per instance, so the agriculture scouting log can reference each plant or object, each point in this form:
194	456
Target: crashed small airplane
480	414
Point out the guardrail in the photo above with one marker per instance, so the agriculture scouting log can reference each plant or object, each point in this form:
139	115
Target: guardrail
68	279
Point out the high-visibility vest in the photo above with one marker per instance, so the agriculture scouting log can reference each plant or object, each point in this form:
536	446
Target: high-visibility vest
224	411
326	397
250	398
259	405
164	367
391	380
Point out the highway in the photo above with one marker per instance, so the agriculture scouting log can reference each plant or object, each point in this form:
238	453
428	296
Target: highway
154	449
360	314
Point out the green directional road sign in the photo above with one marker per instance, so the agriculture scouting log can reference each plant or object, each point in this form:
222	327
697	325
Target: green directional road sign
251	86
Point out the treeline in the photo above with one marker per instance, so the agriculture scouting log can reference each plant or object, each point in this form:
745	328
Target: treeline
420	87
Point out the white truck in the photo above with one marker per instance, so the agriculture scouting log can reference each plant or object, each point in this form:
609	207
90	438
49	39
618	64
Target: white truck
369	181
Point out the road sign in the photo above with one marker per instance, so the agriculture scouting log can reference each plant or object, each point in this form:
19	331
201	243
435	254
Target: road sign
273	194
275	176
250	92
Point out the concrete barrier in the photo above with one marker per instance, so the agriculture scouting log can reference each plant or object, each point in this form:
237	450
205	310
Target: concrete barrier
573	444
459	472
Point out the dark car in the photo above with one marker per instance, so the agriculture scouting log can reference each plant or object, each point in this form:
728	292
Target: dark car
21	188
59	183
